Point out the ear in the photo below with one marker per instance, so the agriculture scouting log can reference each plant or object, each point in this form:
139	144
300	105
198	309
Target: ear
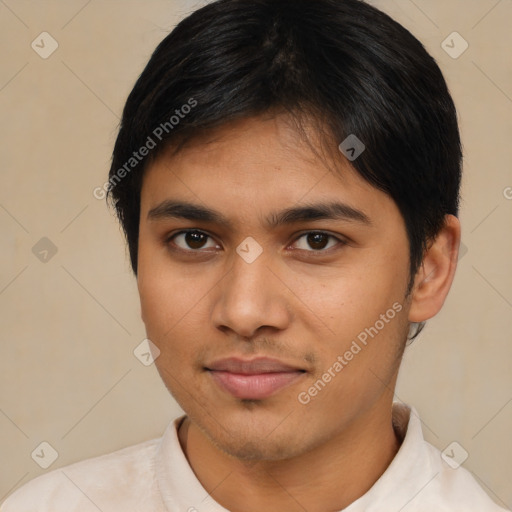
435	276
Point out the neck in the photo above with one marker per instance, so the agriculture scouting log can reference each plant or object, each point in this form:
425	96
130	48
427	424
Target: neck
330	477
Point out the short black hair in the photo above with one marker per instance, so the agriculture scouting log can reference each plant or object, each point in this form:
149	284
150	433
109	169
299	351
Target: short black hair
343	63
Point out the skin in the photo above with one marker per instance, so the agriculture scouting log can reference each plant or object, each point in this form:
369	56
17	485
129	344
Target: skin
300	302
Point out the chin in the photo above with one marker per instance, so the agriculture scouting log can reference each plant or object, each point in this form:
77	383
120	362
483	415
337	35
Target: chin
250	440
254	450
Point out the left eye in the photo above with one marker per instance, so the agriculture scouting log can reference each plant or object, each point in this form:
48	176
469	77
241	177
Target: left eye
317	240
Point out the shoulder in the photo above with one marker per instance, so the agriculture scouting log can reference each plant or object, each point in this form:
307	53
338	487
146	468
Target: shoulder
421	479
454	488
124	478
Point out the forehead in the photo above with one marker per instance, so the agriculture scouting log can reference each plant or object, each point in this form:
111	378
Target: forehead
263	141
258	164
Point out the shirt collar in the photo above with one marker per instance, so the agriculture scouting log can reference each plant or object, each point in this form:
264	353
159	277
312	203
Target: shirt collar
179	486
408	473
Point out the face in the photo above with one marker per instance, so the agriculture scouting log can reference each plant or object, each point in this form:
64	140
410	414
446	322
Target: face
273	283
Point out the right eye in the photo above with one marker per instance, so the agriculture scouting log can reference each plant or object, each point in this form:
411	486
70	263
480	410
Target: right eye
191	240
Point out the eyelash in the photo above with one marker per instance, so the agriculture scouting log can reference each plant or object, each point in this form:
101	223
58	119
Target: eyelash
340	244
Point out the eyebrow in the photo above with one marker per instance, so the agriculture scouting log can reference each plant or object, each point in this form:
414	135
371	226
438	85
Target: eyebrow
309	212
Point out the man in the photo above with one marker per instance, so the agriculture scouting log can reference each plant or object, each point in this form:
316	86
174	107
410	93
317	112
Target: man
287	175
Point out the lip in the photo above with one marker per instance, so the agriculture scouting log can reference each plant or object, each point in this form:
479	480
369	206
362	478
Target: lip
254	379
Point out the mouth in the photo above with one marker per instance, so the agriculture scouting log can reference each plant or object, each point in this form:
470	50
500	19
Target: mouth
254	379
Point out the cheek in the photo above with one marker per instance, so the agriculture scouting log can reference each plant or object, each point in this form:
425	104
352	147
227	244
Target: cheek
354	298
380	282
167	318
357	364
166	299
167	306
367	318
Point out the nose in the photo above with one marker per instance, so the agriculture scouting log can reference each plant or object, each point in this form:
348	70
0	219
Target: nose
251	297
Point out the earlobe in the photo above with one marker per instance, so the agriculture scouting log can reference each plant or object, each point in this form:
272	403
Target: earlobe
435	275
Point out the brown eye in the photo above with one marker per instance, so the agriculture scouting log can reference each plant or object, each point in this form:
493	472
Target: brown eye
317	241
192	240
195	239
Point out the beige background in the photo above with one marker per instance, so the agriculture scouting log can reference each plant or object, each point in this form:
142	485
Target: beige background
69	326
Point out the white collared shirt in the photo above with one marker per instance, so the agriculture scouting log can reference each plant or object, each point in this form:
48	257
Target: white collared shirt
155	477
